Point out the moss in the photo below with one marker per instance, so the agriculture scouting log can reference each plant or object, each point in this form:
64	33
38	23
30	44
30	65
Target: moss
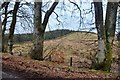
36	55
98	66
106	64
108	55
104	72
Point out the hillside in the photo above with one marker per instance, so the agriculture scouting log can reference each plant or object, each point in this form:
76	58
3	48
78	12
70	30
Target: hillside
81	46
73	40
76	42
80	36
48	35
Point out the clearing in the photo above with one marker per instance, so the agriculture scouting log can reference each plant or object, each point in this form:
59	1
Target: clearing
80	46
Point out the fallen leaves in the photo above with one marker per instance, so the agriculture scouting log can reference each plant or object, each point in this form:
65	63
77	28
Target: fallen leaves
47	69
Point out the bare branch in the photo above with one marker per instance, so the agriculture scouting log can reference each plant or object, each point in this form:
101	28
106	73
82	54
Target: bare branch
48	13
81	18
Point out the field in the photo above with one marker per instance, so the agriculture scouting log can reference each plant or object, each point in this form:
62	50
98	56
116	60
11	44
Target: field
81	46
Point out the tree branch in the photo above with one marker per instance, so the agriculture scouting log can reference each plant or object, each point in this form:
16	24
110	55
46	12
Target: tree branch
81	18
48	13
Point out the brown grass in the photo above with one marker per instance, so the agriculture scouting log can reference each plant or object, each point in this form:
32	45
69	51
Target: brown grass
80	46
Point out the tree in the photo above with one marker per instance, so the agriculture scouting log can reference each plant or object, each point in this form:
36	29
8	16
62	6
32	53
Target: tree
12	26
0	31
100	56
4	23
110	27
106	33
25	19
39	29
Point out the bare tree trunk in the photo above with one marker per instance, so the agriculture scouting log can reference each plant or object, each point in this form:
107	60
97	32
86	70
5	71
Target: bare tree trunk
118	39
4	40
110	27
0	32
12	27
39	29
118	51
100	55
38	35
103	58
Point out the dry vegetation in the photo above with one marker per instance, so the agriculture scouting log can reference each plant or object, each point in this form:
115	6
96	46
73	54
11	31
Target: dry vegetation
27	68
80	46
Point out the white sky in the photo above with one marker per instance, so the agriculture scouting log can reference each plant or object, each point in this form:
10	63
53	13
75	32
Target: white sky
68	22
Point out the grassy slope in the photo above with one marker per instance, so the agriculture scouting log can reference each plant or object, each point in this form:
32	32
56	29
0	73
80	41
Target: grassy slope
76	42
79	45
80	36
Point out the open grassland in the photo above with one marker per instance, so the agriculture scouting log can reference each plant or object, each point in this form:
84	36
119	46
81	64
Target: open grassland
81	46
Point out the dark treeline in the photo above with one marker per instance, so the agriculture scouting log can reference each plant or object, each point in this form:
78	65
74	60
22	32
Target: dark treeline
48	35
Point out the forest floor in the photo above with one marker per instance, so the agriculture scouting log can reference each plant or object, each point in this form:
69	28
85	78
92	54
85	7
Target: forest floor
28	68
79	46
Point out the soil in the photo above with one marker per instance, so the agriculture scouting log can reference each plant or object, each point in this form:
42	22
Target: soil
28	69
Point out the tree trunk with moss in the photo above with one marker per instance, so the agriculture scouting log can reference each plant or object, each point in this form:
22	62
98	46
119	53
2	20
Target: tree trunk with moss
110	27
103	57
39	29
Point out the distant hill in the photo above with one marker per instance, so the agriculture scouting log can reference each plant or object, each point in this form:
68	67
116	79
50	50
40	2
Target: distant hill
57	33
48	35
80	36
23	37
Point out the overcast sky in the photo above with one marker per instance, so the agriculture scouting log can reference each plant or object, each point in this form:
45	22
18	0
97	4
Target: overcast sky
69	16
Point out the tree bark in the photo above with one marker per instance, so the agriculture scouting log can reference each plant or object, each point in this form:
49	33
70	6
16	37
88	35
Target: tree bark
0	31
39	29
100	55
4	40
110	27
118	51
103	58
12	27
38	34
